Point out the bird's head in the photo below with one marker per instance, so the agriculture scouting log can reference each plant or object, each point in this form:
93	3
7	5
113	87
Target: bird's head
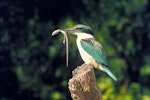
79	30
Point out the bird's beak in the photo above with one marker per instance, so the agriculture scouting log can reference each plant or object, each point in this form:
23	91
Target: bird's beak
65	31
69	31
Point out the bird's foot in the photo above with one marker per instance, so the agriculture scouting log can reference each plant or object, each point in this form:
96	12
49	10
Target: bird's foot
84	64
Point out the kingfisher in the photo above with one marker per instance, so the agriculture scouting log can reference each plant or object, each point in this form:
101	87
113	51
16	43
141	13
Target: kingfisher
91	51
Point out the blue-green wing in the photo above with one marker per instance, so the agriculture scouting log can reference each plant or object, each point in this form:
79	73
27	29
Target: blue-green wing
95	49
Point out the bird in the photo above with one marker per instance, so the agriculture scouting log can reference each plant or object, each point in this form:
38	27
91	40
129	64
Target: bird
91	51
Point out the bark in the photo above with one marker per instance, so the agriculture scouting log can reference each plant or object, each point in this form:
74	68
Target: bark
83	85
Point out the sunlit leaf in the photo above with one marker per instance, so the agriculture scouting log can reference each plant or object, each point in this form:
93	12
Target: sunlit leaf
146	97
145	70
56	95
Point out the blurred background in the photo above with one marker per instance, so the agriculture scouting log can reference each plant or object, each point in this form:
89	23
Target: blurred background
32	62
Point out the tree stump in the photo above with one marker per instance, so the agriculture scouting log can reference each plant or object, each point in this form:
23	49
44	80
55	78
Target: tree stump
83	85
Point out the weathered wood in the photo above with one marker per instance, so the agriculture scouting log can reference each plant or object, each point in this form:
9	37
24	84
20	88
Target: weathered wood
83	84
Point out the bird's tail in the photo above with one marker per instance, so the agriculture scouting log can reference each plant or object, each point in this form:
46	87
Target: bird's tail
109	73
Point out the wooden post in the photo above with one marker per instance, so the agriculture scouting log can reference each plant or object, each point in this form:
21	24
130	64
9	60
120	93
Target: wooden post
83	85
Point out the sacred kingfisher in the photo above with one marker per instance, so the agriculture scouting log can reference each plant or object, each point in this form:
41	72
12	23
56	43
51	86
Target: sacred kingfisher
91	51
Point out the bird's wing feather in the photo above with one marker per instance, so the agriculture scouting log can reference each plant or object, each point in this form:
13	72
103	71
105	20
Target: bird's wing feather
95	49
109	73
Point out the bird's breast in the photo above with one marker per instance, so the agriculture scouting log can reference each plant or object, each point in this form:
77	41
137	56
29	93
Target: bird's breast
88	59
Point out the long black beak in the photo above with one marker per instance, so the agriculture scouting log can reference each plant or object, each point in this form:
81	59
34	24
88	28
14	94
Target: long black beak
69	30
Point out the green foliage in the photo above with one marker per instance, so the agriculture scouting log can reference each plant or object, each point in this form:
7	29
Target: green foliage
145	70
33	62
